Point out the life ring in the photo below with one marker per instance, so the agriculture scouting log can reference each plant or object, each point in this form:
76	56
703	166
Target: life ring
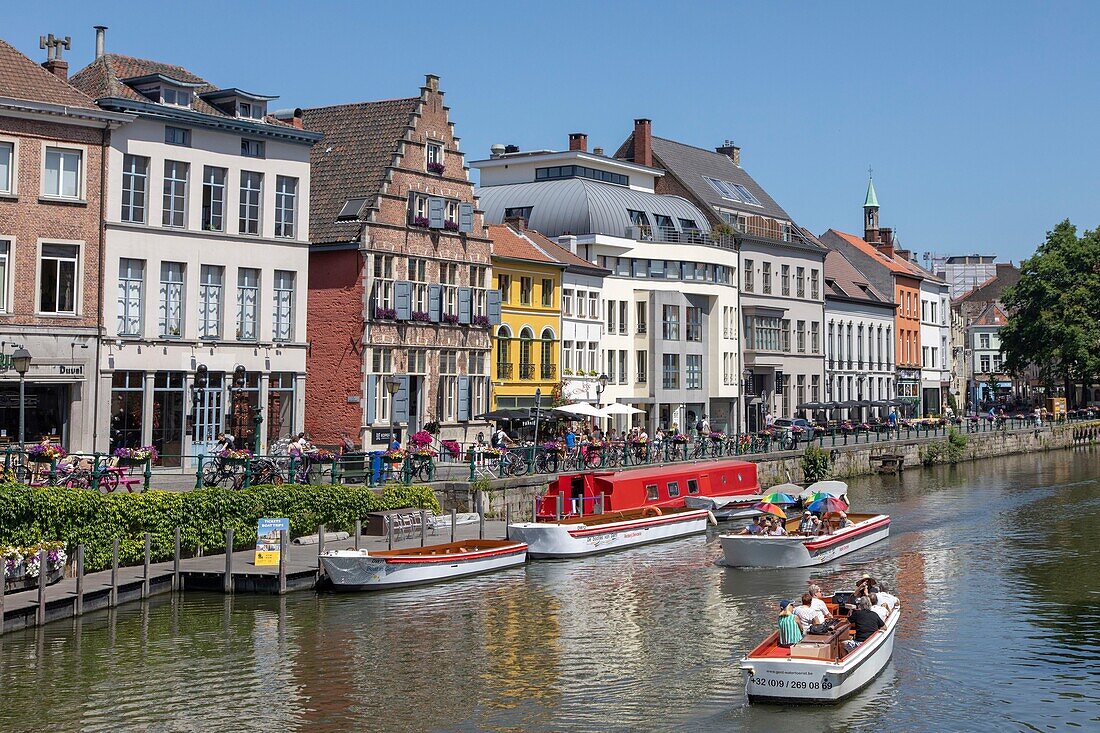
651	511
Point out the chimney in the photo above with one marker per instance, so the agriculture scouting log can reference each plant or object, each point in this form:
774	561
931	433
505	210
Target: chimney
100	32
578	141
517	222
903	253
297	119
431	82
884	242
569	242
54	64
731	151
643	142
597	151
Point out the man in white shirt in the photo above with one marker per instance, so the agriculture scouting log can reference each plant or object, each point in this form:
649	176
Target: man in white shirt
807	614
885	599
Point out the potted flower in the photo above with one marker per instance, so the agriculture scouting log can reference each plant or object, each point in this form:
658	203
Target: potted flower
394	455
23	564
385	314
450	226
451	318
421	316
135	456
421	439
452	447
422	452
421	222
491	452
639	441
436	168
716	436
554	446
235	455
45	453
320	455
597	445
481	321
679	438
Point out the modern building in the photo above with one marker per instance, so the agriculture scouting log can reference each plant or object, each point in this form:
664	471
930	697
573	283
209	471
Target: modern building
859	342
52	185
963	273
399	289
204	262
781	305
935	340
668	345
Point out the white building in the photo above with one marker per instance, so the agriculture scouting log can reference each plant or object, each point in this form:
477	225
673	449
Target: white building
669	305
935	340
205	261
581	327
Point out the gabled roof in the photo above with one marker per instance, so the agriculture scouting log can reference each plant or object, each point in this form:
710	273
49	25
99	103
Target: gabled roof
894	264
689	164
992	315
104	79
515	243
993	288
872	198
844	280
360	143
21	78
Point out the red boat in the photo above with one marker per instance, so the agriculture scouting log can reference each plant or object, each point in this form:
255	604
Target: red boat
659	486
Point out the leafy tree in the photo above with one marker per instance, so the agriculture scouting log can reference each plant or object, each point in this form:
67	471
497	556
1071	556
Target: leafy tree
1054	311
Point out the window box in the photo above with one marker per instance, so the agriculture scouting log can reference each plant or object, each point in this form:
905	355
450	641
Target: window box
385	314
451	318
436	168
420	221
481	320
421	316
450	226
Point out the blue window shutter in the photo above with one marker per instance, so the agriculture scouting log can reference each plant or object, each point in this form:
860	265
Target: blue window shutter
465	217
435	302
463	398
402	299
465	303
494	307
401	400
435	213
369	412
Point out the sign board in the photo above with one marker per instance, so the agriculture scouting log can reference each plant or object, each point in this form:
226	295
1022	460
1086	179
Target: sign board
267	540
382	435
1056	406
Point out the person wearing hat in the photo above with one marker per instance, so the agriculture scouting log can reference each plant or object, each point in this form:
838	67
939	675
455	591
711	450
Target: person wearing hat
843	521
810	524
865	586
789	630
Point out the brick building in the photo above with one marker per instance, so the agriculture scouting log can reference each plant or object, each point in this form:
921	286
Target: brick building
399	274
52	170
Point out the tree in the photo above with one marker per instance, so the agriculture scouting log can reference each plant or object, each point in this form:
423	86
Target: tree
1054	311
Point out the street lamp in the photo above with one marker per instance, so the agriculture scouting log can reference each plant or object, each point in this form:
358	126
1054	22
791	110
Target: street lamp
538	406
600	387
21	360
393	386
859	392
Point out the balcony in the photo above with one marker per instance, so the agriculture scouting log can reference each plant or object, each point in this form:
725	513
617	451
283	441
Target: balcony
548	371
526	371
504	371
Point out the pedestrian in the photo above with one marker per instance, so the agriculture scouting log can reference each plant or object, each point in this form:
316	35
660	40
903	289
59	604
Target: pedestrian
893	417
769	420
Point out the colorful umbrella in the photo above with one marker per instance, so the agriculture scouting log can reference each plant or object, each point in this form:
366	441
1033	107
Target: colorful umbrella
816	496
778	497
830	505
769	508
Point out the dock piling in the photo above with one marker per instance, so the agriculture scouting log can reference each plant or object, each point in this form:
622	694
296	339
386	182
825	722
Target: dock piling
3	584
148	561
453	515
228	560
320	544
481	525
358	533
507	519
113	601
42	573
78	602
282	561
389	530
423	527
176	560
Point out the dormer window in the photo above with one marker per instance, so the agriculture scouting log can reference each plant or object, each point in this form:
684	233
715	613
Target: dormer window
251	110
178	97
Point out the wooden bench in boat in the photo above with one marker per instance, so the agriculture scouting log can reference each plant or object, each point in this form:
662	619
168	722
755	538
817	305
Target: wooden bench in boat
450	548
626	515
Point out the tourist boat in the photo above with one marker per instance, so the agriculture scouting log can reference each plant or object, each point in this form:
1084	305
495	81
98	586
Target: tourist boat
378	570
799	551
818	669
578	494
596	533
726	507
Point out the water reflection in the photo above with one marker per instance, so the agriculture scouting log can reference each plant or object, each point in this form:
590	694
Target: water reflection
994	563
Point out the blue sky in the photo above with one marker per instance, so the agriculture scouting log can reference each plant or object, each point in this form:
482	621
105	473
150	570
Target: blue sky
979	118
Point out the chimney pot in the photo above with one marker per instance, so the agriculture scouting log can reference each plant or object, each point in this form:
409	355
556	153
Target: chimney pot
578	141
431	81
731	151
643	142
100	33
597	151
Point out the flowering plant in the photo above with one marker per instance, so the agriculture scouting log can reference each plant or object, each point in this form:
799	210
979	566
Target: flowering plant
144	453
638	441
436	168
679	438
865	426
385	314
491	452
235	454
320	454
394	455
715	435
41	452
846	426
481	320
421	221
554	446
421	316
597	444
451	318
450	226
422	452
421	438
22	562
452	447
797	429
744	440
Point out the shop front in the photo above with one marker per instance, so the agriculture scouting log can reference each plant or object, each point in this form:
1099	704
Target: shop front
56	402
909	391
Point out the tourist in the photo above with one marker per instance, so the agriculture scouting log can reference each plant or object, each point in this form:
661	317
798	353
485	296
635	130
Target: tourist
570	437
886	600
642	436
893	418
818	601
877	607
865	621
866	585
843	521
809	524
500	439
769	420
789	630
754	528
347	445
225	442
808	615
1038	418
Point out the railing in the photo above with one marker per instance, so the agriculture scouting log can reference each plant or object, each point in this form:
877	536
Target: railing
504	371
526	371
646	233
548	371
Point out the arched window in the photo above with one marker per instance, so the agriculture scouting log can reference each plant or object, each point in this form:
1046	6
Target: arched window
504	353
546	369
526	366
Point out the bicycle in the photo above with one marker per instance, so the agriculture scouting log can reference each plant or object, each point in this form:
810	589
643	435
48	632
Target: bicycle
546	461
699	449
613	457
511	463
218	473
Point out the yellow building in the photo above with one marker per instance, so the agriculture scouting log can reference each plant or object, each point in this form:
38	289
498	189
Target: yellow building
526	345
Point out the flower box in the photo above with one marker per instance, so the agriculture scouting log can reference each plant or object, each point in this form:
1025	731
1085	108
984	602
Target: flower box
421	222
421	316
436	168
481	320
450	318
385	314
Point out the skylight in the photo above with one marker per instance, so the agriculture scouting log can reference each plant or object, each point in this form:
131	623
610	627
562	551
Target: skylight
732	191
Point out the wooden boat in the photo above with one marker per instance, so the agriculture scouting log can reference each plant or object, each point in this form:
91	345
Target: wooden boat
798	551
579	494
818	669
597	533
377	570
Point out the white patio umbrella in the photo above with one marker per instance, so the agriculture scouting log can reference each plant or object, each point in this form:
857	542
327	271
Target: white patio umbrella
581	409
618	408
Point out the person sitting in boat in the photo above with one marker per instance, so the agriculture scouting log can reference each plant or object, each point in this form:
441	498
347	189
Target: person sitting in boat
776	528
865	586
865	621
842	521
877	607
789	631
806	613
818	602
886	600
755	528
810	524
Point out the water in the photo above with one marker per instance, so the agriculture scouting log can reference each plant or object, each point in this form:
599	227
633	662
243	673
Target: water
995	563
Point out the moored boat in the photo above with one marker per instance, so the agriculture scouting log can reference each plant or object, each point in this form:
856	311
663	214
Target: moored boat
798	551
818	669
597	533
381	569
726	507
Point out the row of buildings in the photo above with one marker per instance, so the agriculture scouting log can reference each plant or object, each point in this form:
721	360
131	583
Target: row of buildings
183	259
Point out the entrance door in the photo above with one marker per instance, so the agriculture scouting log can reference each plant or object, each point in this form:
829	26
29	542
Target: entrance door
209	412
415	384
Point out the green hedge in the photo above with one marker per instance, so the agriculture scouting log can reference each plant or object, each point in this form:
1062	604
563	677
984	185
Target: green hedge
32	514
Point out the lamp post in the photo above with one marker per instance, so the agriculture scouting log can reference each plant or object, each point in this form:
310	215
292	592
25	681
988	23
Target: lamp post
601	385
21	360
859	392
538	406
393	386
746	394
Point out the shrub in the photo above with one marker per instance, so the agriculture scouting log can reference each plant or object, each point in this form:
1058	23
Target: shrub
29	515
816	464
956	446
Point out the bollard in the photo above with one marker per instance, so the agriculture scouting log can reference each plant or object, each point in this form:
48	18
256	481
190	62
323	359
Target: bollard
42	573
198	474
560	507
507	520
358	532
176	560
602	505
423	527
282	561
453	519
3	584
480	526
320	545
148	559
113	600
148	473
228	584
389	530
78	602
535	509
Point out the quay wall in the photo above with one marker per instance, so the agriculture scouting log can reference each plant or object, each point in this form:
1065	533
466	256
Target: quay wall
495	497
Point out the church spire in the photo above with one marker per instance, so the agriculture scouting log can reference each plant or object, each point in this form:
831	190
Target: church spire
870	212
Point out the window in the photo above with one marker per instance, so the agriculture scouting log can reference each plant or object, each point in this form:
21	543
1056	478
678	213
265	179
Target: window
640	362
284	306
785	328
286	202
693	486
174	212
479	382
477	282
814	287
171	95
525	286
593	348
210	301
766	277
670	322
7	166
504	353
504	285
593	305
526	365
694	331
57	279
448	278
670	371
610	304
170	314
248	298
566	357
694	371
448	384
177	136
251	191
785	279
801	336
213	199
135	181
673	489
983	340
566	302
434	154
800	282
518	212
580	171
640	313
984	360
383	281
5	254
766	336
996	361
62	173
732	191
418	274
622	368
652	493
131	282
748	284
623	317
547	293
382	367
252	148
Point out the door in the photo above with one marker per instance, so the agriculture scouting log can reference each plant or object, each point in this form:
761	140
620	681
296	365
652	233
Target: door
209	412
415	384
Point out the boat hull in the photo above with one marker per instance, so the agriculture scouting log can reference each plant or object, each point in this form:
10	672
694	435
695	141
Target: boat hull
800	552
349	570
725	507
820	682
551	540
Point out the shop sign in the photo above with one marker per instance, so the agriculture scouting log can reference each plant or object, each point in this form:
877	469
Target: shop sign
268	547
382	435
6	362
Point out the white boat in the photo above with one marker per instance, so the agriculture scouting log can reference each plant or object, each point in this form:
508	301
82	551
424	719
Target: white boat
598	533
799	551
737	506
378	570
817	672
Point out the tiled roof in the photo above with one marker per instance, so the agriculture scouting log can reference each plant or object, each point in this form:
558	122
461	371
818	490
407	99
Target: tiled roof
993	288
844	280
103	78
360	143
520	244
22	78
894	264
993	315
689	164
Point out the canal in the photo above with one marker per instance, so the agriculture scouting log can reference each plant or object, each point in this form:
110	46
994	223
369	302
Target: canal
995	564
